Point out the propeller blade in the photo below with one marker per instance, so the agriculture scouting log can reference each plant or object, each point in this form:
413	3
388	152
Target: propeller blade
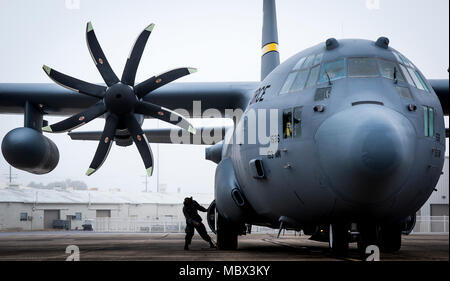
74	84
104	144
77	120
129	72
99	57
157	81
141	142
164	114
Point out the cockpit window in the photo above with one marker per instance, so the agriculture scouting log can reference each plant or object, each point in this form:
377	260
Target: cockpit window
407	76
415	79
318	59
334	70
313	76
405	92
388	68
300	81
299	63
397	56
406	60
420	78
362	67
288	83
308	62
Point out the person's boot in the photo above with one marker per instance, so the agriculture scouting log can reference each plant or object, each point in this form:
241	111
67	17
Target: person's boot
211	244
186	247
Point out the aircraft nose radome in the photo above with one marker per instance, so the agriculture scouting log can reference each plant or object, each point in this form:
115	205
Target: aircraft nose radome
366	152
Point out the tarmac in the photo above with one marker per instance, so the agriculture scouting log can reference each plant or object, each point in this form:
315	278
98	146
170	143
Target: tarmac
52	246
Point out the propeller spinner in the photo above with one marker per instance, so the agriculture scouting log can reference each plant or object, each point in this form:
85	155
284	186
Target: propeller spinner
120	100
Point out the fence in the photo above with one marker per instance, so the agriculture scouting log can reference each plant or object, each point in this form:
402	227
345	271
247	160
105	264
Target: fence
431	224
154	226
424	225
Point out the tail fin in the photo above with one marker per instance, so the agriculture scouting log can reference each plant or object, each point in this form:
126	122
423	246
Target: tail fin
270	56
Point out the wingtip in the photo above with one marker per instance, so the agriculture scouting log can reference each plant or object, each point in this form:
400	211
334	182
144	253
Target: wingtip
150	27
46	69
90	171
192	70
150	171
47	129
89	26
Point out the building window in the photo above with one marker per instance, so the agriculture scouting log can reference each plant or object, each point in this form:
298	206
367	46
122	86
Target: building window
23	216
78	216
428	121
362	67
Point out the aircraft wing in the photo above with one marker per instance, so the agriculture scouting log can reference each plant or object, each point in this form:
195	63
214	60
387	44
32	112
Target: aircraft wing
441	88
167	135
55	100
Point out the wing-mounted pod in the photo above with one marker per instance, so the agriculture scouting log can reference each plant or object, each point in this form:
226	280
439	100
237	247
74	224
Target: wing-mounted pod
27	149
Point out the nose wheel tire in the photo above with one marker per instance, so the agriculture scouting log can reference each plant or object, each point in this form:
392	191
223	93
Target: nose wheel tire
390	238
368	235
227	234
339	239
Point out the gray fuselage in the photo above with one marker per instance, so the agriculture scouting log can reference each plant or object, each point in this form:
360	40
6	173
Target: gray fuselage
373	147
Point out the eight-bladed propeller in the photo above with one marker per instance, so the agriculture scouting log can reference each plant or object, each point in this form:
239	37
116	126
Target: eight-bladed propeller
120	100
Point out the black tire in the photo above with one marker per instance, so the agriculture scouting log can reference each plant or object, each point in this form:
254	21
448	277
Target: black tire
227	234
390	238
368	235
339	239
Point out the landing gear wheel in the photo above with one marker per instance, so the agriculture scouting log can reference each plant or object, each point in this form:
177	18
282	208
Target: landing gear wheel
339	239
390	238
227	234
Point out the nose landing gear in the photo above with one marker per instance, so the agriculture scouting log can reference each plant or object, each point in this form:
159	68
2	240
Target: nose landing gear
387	237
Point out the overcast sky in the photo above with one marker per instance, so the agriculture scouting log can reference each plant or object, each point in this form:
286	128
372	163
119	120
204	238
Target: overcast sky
220	38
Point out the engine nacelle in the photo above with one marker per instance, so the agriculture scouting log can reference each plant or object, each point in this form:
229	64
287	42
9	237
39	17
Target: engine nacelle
27	149
230	202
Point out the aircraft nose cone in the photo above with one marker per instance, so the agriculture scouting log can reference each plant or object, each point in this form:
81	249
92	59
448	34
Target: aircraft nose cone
366	152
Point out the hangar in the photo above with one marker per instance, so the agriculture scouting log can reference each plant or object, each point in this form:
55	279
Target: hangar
30	209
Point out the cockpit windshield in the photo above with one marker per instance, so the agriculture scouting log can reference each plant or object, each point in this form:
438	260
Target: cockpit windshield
310	71
362	67
332	71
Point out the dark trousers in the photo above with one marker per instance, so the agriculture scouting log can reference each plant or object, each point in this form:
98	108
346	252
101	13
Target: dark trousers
201	229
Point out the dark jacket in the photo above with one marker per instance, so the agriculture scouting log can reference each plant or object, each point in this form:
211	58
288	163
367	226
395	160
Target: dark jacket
191	214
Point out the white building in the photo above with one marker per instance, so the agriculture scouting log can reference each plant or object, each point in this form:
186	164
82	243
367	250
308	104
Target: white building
24	208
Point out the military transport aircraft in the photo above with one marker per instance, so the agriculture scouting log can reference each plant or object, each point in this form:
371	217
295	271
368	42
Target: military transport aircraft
355	145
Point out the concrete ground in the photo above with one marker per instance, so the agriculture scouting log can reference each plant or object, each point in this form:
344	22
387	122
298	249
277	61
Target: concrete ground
254	247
